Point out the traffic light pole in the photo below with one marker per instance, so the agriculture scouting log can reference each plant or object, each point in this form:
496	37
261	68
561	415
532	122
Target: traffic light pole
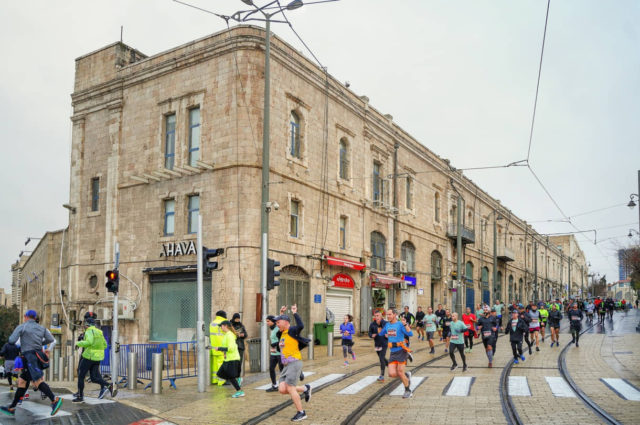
202	378
114	331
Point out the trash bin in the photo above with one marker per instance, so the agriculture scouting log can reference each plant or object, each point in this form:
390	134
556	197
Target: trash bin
321	332
254	354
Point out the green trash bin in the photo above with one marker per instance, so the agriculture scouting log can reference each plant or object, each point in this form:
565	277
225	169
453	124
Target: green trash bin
322	332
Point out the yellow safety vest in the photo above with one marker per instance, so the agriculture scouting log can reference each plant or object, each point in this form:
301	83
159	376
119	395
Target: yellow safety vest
216	335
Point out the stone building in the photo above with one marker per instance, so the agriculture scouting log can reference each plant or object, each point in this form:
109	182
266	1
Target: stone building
367	215
5	299
16	280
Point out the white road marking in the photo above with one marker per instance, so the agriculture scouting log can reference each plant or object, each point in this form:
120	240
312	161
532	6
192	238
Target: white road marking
40	411
415	381
622	388
518	386
325	379
559	386
267	386
460	386
358	386
88	400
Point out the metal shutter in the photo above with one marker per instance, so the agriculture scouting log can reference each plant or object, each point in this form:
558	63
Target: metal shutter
340	305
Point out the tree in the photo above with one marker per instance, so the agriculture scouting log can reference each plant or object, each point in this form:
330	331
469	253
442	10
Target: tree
631	261
9	319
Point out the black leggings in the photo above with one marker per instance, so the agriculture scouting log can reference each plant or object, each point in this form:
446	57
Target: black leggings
273	362
516	347
382	356
468	341
575	332
9	378
93	367
452	349
346	347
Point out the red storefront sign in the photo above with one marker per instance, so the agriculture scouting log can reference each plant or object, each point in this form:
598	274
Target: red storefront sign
342	280
334	261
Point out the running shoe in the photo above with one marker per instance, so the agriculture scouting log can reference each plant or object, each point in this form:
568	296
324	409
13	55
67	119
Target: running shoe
346	363
455	366
9	411
464	368
301	376
410	357
530	351
537	348
515	361
522	358
433	351
380	378
78	399
577	345
103	391
26	396
440	339
446	351
300	416
407	394
238	394
272	389
55	406
307	394
353	356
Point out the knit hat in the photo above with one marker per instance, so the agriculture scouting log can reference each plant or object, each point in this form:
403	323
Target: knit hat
31	314
235	316
272	318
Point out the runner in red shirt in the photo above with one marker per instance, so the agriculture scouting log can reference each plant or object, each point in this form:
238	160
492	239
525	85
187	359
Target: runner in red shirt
469	319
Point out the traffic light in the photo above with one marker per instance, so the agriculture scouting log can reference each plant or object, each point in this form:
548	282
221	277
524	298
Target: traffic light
113	280
207	265
272	273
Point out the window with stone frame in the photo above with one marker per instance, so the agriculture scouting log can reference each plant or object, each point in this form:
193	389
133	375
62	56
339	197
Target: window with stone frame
344	159
343	232
194	136
378	251
169	141
436	207
377	183
294	219
436	265
408	254
192	213
169	216
409	193
95	194
294	134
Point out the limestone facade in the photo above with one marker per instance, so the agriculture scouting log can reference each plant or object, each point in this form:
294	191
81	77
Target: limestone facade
350	184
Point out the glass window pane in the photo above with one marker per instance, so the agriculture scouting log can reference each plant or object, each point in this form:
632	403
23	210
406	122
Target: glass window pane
170	141
194	208
169	216
194	136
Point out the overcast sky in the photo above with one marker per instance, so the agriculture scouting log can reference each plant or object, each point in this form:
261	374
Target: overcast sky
460	76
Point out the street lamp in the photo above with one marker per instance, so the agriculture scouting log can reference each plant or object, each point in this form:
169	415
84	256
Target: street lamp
631	205
634	231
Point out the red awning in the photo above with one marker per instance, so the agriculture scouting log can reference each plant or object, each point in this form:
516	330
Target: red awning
333	261
382	279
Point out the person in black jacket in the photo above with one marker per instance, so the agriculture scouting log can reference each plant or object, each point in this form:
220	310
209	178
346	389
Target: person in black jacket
241	333
555	316
380	342
516	329
9	352
575	321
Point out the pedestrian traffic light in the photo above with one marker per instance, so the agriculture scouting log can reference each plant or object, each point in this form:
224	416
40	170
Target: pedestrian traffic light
207	254
113	280
272	273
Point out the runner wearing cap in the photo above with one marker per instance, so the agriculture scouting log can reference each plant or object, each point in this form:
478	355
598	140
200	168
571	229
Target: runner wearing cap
396	331
516	328
487	326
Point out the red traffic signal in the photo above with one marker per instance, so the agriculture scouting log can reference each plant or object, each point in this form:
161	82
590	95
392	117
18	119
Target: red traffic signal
113	280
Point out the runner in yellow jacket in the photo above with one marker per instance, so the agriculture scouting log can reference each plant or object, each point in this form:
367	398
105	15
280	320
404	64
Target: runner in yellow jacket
216	338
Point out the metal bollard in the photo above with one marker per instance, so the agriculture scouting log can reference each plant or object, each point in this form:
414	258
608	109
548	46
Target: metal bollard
70	368
330	346
207	366
55	364
132	370
156	373
310	348
61	368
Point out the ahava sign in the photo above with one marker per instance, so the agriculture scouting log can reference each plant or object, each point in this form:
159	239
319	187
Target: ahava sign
342	280
175	249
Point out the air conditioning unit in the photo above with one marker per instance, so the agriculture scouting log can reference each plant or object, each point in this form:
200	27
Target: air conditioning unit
125	311
402	266
106	313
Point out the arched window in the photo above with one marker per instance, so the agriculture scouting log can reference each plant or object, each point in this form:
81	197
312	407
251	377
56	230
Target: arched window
436	265
294	144
485	277
344	159
409	255
378	251
468	273
436	207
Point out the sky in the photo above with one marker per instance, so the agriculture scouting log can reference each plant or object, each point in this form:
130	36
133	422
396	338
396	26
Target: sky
459	76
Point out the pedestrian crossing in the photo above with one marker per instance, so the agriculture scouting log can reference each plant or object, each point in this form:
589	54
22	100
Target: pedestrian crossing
267	386
87	400
461	386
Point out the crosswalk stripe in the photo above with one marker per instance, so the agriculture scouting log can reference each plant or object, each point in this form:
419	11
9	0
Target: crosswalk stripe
356	387
415	382
518	386
459	386
326	379
40	411
88	400
267	386
559	386
622	388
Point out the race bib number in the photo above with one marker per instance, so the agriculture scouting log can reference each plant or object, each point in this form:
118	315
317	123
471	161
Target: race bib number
281	343
468	326
454	337
486	333
392	332
534	321
514	323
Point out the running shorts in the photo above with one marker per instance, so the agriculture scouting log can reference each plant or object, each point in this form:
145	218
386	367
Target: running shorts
429	336
399	357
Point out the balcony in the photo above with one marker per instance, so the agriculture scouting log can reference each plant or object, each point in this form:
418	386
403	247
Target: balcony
505	254
468	235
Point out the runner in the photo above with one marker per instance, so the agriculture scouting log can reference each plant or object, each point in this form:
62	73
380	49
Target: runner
230	368
534	325
290	344
525	316
411	320
9	352
347	331
420	323
431	324
575	320
379	341
590	309
446	330
498	308
487	326
457	329
440	312
516	329
469	320
396	331
274	358
494	315
601	312
609	305
554	324
544	316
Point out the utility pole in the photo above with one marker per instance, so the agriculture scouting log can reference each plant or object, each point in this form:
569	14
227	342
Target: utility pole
461	286
535	271
202	383
115	345
394	249
495	256
569	271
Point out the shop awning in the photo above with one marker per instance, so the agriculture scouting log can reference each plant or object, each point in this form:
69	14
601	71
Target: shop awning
381	279
334	261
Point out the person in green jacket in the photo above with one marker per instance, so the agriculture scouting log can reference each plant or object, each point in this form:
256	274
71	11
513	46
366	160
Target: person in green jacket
93	345
230	368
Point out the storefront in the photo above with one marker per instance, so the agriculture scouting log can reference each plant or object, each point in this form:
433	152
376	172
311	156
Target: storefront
339	297
383	291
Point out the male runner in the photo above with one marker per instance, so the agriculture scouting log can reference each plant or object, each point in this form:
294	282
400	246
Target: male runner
516	327
420	323
488	326
555	316
431	324
396	331
457	329
525	316
469	319
379	341
534	325
575	320
445	323
498	307
440	312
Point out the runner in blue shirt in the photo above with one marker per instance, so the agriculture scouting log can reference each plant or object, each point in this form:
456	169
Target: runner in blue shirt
396	331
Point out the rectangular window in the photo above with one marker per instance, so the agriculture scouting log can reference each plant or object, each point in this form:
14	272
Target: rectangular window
377	183
194	209
169	141
194	136
294	147
169	216
295	209
343	232
95	193
409	200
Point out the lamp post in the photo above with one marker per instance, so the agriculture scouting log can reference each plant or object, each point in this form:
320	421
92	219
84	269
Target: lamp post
495	253
631	205
268	11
